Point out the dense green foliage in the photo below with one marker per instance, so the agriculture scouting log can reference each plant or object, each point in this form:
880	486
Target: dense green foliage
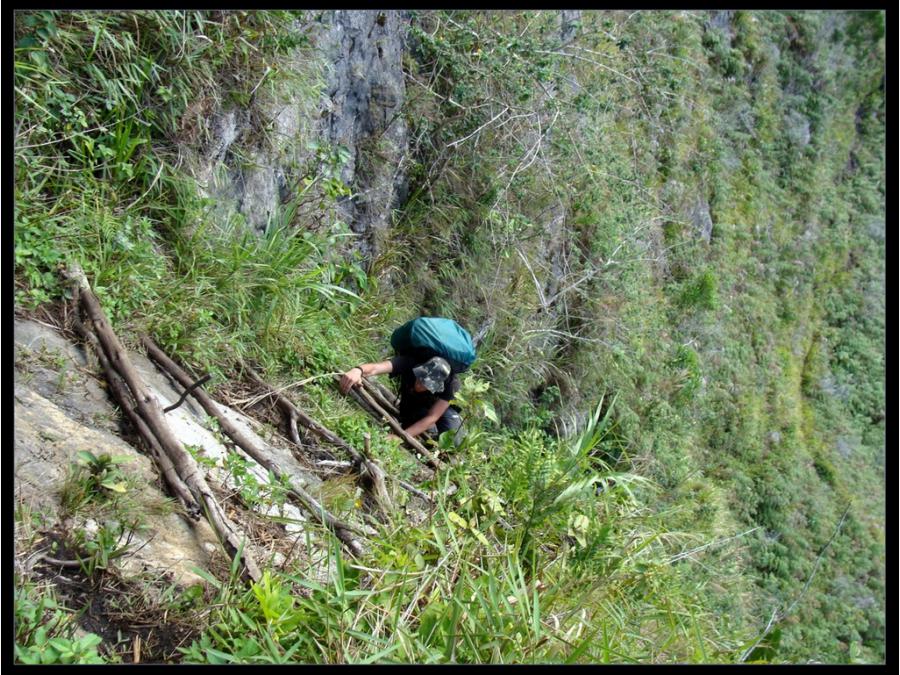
674	215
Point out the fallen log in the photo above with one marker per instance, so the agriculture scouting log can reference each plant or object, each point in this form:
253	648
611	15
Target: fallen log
342	530
150	411
120	393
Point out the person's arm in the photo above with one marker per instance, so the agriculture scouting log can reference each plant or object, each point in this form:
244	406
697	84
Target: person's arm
434	414
354	376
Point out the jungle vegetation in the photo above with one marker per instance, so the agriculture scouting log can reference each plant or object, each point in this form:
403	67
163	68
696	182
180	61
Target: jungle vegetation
668	228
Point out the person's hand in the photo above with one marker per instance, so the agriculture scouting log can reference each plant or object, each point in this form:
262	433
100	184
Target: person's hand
351	379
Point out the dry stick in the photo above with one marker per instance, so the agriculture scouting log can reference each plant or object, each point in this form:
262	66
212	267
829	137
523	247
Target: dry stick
335	464
149	409
416	491
294	435
121	395
354	394
298	415
376	394
375	474
780	615
365	466
386	394
430	458
343	531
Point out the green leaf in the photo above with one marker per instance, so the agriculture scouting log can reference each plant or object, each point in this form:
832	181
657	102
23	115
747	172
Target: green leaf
40	636
60	644
120	487
480	537
457	519
90	641
27	656
489	412
380	655
87	457
767	649
49	655
216	657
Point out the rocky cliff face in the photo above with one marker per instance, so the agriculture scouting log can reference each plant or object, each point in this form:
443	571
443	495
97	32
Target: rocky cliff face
255	157
365	96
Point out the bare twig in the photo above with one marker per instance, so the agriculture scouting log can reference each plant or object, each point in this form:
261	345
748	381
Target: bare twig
779	615
582	58
717	542
486	124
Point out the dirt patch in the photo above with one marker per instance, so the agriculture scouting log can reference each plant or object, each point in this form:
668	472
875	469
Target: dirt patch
54	314
139	620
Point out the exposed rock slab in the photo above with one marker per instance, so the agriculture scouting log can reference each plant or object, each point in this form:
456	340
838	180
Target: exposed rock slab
54	421
47	442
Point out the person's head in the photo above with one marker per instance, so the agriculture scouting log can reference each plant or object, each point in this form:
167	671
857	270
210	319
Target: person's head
432	375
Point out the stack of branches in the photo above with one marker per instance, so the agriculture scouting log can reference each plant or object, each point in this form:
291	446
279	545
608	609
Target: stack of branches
372	475
346	532
176	464
178	467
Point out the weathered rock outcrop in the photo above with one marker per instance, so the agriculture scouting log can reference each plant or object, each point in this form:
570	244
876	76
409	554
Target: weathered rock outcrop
365	97
255	156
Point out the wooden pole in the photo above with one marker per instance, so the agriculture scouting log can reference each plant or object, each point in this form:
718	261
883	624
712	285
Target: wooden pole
429	458
344	531
120	393
149	409
376	394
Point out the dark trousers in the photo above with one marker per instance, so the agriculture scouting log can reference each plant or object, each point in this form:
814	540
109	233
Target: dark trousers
449	421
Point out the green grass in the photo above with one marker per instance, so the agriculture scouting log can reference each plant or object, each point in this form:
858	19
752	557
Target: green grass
746	372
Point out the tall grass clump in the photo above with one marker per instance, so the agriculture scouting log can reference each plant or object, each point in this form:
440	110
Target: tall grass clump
544	555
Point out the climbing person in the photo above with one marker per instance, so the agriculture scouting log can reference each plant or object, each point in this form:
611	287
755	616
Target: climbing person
430	354
426	390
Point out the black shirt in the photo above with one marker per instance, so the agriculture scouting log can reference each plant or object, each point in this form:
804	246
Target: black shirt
414	405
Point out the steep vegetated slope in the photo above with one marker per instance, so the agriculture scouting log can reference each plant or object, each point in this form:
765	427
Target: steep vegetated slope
666	230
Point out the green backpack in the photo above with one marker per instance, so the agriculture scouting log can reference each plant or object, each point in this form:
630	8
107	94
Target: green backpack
434	336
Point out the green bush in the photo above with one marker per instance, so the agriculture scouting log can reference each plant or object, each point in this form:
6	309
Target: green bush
700	292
